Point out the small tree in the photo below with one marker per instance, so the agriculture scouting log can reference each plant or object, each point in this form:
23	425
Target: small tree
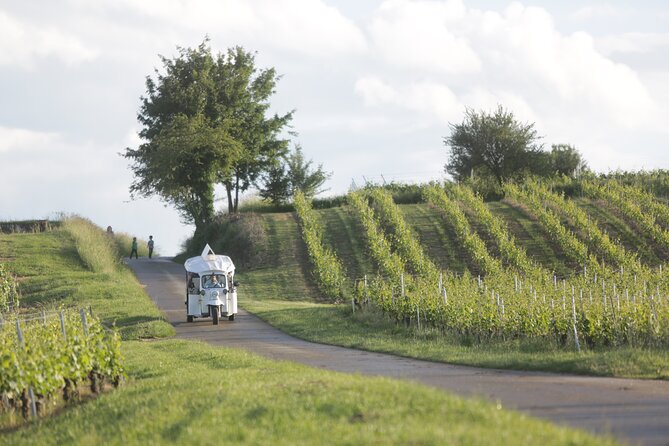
302	177
276	184
566	160
294	174
493	144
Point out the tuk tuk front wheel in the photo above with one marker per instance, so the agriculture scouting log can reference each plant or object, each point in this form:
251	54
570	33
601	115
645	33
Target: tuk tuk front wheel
189	318
231	317
214	314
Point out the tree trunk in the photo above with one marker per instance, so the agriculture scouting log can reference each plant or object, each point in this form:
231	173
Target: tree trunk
236	192
228	190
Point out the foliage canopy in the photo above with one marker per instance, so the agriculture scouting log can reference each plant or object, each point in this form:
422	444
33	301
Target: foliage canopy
204	123
492	144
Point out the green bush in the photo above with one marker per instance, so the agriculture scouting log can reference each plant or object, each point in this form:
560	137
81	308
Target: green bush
402	193
9	296
241	236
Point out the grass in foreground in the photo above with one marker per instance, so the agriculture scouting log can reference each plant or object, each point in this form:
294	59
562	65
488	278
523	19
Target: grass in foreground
370	330
189	393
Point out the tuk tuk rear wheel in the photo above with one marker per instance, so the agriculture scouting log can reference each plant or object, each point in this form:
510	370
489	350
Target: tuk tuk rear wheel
214	314
231	317
189	318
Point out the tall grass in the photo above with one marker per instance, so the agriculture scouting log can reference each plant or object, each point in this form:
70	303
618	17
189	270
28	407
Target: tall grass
100	251
97	250
123	244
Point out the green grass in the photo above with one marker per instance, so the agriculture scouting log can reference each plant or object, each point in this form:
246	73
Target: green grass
436	236
370	330
265	288
631	238
190	393
284	274
52	274
343	232
528	234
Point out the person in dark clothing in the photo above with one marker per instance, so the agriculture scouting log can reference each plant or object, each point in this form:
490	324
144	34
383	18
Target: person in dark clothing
133	250
150	244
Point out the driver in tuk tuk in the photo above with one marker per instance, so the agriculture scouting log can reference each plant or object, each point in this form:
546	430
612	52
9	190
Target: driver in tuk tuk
213	282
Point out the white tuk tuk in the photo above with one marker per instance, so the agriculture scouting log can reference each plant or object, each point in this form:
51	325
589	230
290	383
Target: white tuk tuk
210	287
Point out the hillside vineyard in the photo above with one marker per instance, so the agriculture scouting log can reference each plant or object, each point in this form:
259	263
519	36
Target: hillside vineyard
609	296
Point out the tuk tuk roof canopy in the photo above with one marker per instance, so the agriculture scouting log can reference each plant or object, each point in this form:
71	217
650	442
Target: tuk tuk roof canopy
209	261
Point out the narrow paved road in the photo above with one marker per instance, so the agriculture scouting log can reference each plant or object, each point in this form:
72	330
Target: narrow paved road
636	411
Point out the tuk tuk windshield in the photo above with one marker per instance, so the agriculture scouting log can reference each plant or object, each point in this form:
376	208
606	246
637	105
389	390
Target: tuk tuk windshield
213	281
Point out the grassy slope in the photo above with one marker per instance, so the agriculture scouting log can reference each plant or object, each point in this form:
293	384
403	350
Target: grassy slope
182	392
285	272
51	274
344	232
436	237
336	325
531	236
618	229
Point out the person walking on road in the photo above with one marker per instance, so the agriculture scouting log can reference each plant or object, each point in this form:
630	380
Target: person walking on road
150	244
133	249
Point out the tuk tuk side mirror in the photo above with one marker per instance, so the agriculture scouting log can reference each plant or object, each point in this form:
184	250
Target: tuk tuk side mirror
235	283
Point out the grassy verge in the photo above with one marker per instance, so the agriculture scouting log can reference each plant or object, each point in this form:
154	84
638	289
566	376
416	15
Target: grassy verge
370	330
190	393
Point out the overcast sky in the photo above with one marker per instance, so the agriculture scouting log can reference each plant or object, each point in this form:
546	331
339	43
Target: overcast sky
374	84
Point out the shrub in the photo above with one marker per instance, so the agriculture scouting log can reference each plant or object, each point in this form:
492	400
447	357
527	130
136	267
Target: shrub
241	236
9	296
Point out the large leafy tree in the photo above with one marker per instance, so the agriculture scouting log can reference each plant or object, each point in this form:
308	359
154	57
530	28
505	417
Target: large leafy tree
204	122
494	144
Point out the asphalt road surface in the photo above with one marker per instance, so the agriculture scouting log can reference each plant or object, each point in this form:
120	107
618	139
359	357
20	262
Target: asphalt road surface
634	411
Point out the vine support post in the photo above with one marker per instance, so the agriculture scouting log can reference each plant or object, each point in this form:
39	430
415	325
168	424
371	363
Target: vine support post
573	312
83	321
62	326
418	316
366	298
33	405
19	333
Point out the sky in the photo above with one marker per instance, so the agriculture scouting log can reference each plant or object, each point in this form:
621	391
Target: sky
375	85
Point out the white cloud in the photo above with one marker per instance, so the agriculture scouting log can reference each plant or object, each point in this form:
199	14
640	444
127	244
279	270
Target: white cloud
430	98
13	139
299	26
518	50
633	43
375	92
22	44
422	35
597	10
